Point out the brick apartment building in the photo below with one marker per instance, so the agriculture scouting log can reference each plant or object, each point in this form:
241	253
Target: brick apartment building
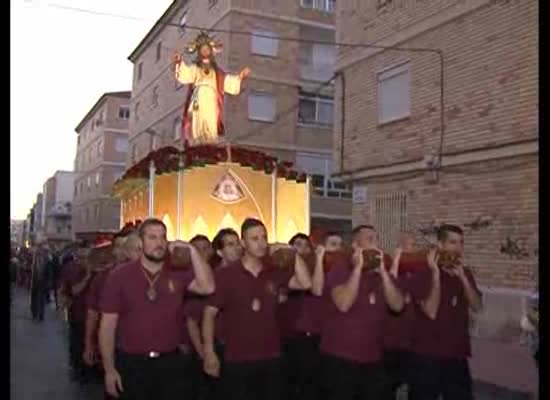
388	104
100	160
284	74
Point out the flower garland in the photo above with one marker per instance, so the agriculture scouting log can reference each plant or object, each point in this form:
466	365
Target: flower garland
167	160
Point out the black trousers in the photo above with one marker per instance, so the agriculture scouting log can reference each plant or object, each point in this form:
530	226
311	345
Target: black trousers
257	380
448	378
302	366
209	387
350	380
163	378
38	302
77	330
397	366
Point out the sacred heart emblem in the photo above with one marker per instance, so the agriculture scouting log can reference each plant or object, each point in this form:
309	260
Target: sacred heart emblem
228	190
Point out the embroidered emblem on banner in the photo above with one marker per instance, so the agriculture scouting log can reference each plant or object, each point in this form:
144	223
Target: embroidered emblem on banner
228	190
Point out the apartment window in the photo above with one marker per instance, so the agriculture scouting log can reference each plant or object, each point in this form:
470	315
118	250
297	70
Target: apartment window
124	112
89	181
183	22
322	5
261	107
75	193
121	145
390	218
212	3
317	55
155	97
264	46
317	110
139	71
78	141
159	51
97	176
81	187
320	170
394	93
177	128
136	111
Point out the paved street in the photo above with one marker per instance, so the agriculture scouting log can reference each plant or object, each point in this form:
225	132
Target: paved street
39	360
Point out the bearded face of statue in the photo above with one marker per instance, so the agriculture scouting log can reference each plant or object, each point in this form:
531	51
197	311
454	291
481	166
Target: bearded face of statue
206	58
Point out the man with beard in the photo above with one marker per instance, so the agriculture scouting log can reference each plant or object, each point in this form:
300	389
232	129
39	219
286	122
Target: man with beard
443	295
203	110
352	328
247	296
142	307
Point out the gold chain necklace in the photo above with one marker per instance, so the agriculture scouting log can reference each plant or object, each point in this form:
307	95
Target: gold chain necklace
151	292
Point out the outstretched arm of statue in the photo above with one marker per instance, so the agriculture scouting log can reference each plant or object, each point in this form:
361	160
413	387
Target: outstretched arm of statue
232	83
184	73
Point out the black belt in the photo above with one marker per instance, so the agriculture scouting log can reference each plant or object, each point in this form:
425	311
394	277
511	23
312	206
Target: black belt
151	355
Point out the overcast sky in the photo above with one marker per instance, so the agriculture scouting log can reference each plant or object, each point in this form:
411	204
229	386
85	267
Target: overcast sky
61	63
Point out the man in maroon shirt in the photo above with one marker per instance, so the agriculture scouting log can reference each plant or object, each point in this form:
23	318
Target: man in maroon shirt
397	327
228	250
351	340
126	247
300	325
247	295
441	341
142	307
75	285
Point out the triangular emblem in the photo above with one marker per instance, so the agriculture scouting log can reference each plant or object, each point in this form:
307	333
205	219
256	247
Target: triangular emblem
228	190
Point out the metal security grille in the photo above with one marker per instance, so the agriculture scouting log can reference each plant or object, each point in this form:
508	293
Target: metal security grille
390	218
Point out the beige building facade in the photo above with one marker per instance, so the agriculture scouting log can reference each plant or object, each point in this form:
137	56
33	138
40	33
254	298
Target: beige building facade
286	107
100	160
389	140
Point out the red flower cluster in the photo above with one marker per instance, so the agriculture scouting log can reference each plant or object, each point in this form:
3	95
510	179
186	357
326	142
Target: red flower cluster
167	159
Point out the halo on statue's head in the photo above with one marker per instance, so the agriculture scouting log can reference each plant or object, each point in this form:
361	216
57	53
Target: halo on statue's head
203	38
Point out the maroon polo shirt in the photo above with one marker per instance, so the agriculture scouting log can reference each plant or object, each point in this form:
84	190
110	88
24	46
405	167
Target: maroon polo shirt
96	287
301	314
250	335
355	335
143	325
446	337
397	328
194	309
79	303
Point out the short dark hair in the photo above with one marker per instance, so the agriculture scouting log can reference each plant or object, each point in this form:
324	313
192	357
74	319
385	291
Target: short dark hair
359	228
331	233
198	238
149	222
217	243
445	229
298	236
250	223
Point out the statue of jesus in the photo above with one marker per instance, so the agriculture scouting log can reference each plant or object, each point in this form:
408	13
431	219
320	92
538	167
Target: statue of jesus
203	110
